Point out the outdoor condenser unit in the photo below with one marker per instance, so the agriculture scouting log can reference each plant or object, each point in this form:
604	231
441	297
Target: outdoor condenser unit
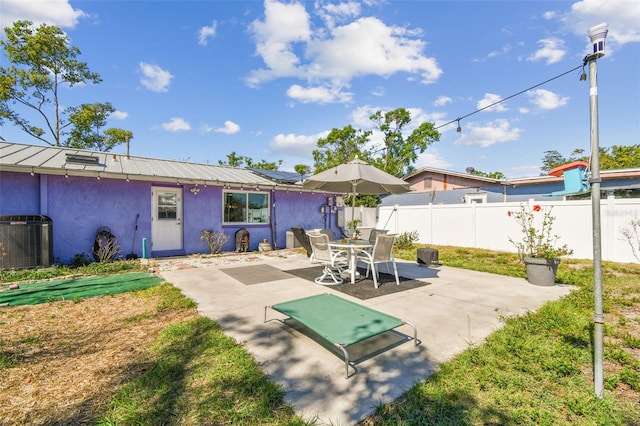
26	241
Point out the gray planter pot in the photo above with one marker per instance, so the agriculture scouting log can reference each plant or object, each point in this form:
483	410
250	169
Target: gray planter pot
541	271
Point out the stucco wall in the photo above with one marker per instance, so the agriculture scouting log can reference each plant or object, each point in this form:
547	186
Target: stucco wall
78	206
19	194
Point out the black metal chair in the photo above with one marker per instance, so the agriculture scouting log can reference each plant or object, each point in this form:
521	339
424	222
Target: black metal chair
302	237
329	233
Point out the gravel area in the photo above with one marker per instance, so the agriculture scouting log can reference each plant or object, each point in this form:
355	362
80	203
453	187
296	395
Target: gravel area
227	258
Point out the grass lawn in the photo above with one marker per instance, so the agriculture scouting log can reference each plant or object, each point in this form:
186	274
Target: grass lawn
148	358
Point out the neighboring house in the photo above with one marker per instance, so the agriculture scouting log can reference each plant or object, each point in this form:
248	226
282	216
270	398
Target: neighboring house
458	188
429	179
167	203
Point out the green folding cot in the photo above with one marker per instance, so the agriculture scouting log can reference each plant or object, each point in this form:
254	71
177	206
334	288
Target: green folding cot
339	321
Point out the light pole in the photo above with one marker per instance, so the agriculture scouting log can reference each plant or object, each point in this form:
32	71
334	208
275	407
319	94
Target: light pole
597	35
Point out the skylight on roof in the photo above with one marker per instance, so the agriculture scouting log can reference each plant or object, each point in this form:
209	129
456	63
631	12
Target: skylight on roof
82	159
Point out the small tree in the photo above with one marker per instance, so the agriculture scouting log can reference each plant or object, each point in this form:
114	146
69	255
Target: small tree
406	240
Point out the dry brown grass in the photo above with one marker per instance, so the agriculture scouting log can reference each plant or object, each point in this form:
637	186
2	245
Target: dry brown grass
70	358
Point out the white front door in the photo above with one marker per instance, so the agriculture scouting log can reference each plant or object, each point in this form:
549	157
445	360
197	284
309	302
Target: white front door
166	219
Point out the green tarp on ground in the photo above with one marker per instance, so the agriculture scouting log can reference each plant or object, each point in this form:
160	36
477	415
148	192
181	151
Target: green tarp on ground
72	289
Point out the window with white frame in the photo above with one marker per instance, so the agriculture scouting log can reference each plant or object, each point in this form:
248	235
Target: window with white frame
246	207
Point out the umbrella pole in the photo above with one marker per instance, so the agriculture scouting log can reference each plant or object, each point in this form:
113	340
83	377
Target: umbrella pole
353	212
353	207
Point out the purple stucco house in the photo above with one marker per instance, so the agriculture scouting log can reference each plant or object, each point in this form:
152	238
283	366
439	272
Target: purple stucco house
164	203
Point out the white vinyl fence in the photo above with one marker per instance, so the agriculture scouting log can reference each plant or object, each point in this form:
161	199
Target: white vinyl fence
488	225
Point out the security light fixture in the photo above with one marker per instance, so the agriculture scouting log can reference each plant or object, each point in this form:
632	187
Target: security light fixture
597	35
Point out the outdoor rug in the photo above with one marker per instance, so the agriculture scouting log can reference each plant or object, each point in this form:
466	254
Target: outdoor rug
363	289
255	274
77	288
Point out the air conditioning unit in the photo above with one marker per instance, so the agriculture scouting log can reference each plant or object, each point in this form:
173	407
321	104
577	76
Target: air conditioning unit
26	241
292	241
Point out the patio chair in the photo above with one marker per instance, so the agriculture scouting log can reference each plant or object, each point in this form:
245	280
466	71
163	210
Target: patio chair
329	233
382	253
334	261
300	235
374	233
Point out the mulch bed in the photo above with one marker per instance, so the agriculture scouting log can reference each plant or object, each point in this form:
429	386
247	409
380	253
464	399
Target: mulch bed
61	363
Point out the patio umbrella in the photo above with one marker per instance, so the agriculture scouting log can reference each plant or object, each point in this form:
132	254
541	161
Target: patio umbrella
356	177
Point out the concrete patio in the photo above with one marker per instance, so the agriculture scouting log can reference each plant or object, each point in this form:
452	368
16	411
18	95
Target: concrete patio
457	309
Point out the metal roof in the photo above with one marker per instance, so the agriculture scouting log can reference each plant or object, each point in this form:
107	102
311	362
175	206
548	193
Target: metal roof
457	196
77	162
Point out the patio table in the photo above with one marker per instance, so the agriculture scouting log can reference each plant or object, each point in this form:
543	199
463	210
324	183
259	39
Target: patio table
353	247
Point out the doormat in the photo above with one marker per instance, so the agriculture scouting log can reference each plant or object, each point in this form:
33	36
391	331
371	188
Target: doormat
363	289
256	274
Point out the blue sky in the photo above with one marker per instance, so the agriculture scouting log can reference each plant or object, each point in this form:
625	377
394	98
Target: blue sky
196	80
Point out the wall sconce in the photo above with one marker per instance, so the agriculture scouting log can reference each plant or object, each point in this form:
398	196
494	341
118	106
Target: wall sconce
195	190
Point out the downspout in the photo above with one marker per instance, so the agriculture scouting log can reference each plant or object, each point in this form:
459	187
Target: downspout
273	220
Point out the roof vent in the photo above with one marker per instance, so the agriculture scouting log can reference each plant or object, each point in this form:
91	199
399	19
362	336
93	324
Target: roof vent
82	159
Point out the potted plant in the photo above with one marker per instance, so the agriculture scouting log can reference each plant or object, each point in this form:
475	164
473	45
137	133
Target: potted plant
538	248
352	227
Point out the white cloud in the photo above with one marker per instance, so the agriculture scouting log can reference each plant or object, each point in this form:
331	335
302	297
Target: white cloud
378	91
545	99
552	51
491	98
296	145
284	25
431	158
498	131
442	101
51	12
205	128
206	33
155	78
321	95
332	13
360	116
505	49
621	15
368	46
229	128
119	115
333	55
176	124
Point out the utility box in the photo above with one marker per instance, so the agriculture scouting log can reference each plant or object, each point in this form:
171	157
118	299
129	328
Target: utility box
427	257
26	241
292	241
